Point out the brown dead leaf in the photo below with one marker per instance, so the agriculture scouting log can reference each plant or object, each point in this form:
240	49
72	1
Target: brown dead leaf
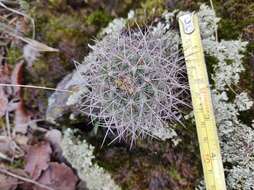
248	33
22	118
9	148
6	145
37	159
3	102
59	177
22	140
17	76
5	72
7	182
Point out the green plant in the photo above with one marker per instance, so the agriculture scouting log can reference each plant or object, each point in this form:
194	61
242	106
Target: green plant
136	80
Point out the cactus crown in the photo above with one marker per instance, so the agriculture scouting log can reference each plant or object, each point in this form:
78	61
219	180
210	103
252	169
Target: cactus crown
136	80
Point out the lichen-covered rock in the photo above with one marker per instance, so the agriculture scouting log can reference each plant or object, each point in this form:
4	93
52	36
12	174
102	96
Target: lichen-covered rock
60	103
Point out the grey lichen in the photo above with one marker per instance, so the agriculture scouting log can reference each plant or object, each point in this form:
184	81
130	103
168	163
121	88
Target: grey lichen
237	139
80	155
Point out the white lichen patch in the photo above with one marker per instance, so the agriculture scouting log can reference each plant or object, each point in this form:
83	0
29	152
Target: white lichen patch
80	155
236	138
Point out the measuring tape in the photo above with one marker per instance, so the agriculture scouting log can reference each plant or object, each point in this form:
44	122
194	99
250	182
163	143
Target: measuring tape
202	102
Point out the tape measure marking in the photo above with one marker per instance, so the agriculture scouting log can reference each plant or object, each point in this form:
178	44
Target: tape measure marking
202	103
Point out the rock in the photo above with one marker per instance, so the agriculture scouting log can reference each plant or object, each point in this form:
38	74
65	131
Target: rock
61	103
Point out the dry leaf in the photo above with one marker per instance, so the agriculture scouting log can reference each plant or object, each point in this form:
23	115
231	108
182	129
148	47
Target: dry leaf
7	182
6	77
59	177
3	102
9	148
22	140
6	145
17	77
37	159
39	46
22	119
5	72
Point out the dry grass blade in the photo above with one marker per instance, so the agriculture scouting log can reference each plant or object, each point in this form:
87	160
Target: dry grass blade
6	172
38	45
36	87
19	13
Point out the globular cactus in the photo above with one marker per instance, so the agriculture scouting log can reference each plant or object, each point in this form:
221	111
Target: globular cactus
137	82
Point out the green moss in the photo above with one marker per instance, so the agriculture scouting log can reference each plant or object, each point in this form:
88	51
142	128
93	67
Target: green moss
99	18
149	9
24	4
247	84
20	163
53	27
63	27
40	69
153	6
2	122
228	29
236	15
232	29
174	173
210	64
150	159
13	55
57	3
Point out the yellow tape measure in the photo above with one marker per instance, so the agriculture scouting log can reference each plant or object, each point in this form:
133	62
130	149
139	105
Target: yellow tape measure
202	103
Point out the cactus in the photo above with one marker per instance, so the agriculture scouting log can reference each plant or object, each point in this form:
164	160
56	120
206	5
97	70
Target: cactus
137	82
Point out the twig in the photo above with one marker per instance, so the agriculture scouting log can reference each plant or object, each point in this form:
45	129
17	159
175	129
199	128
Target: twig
36	87
7	119
4	157
12	3
231	88
4	171
22	14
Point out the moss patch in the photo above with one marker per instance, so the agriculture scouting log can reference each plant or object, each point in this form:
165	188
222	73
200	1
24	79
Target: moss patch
99	18
68	26
237	19
14	54
151	164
